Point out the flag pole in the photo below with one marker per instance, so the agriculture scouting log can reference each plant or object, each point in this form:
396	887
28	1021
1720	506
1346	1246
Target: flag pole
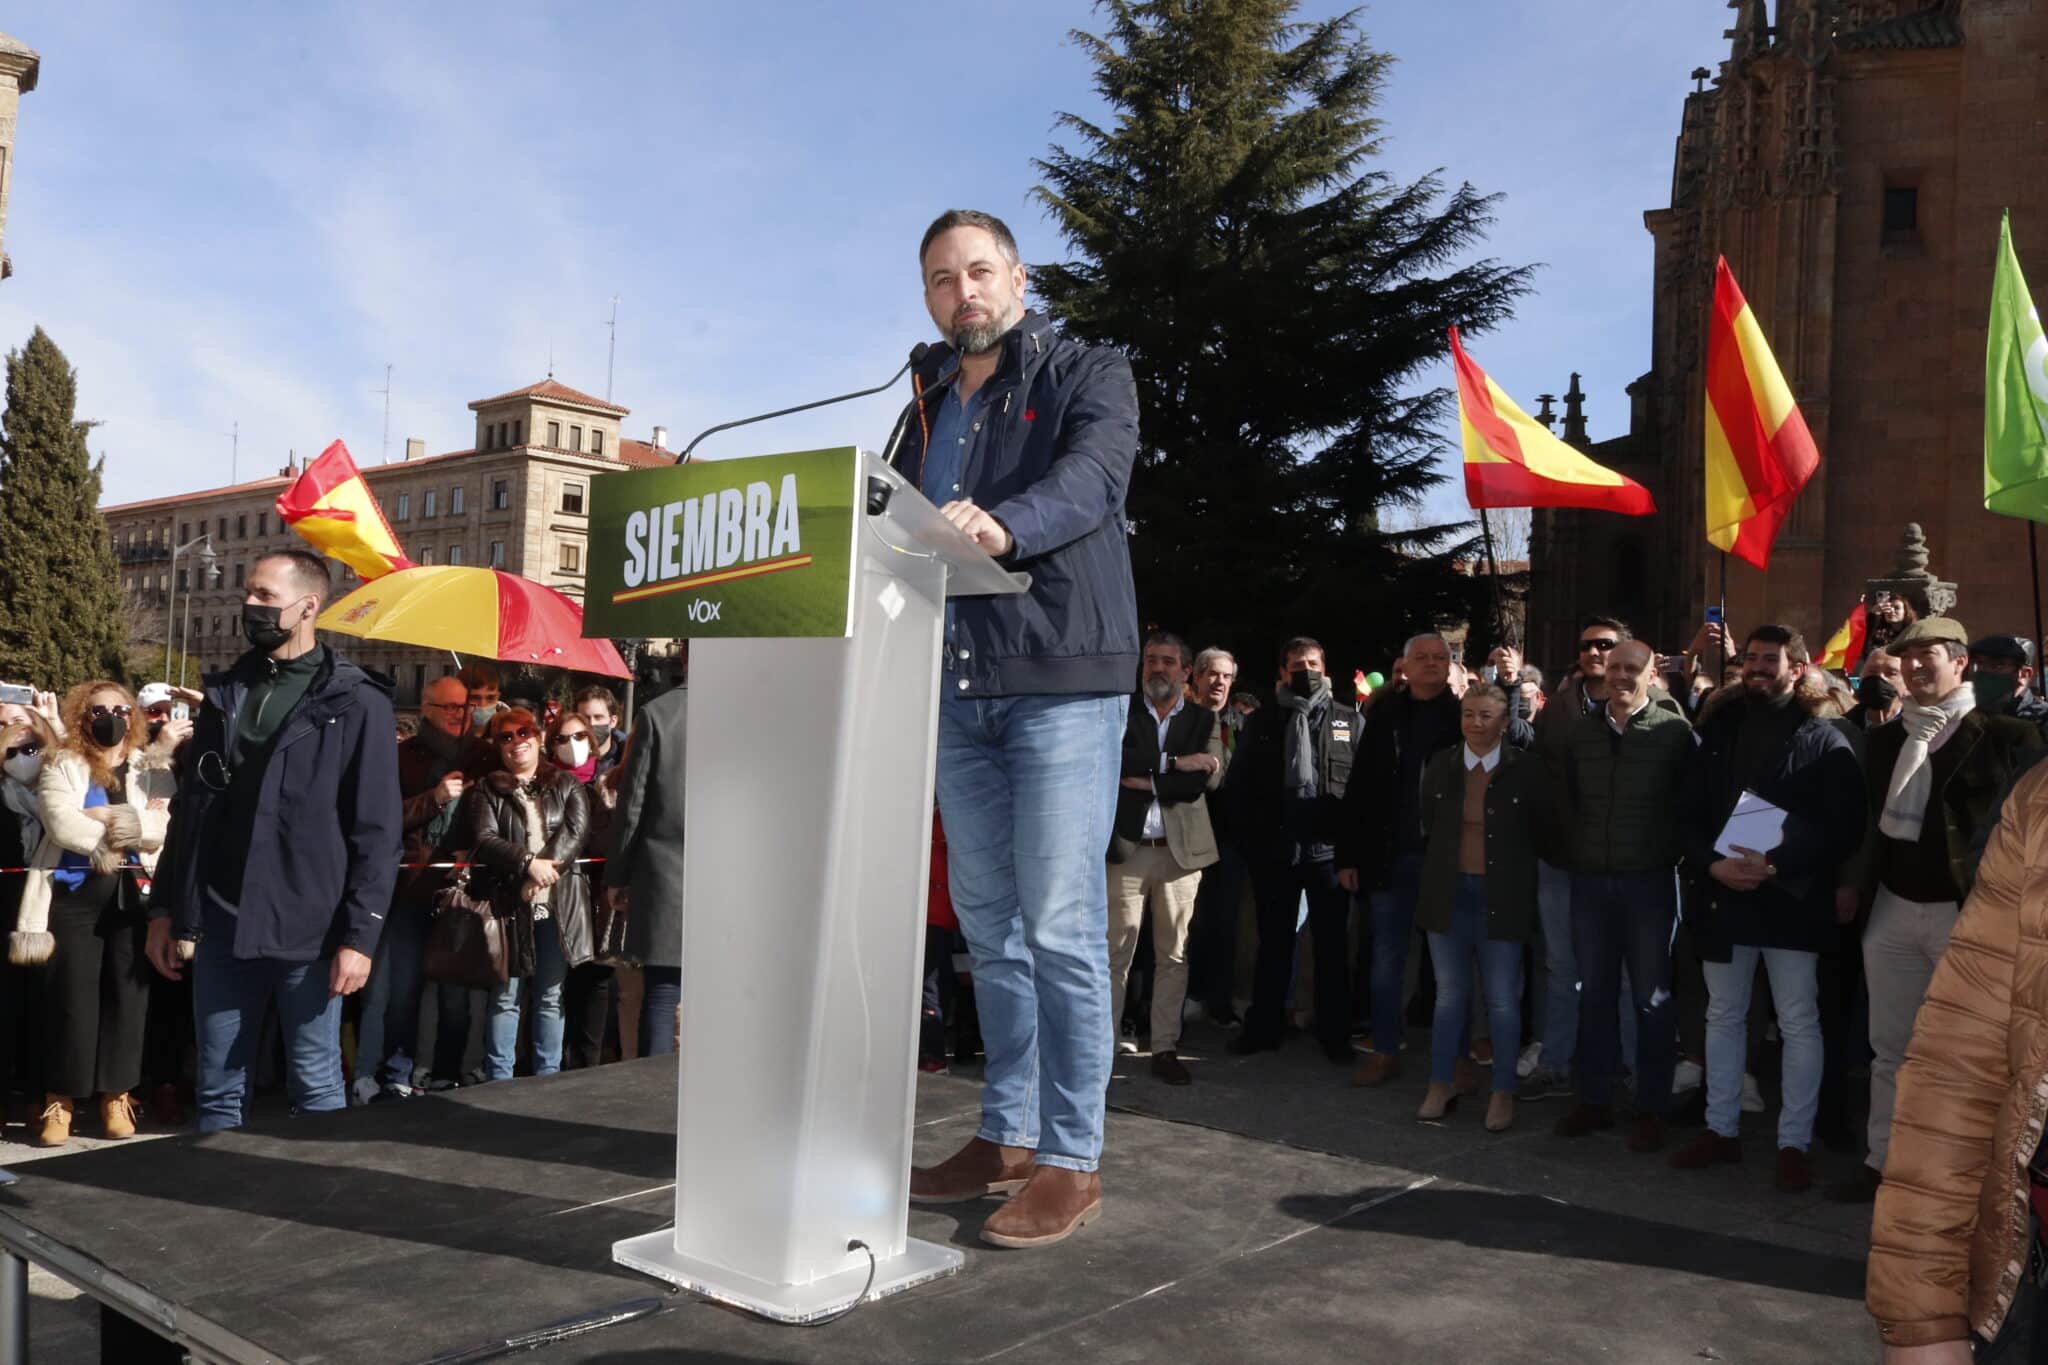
2034	578
1500	618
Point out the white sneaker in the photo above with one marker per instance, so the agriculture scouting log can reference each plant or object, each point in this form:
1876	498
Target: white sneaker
1687	1075
1752	1097
363	1091
1127	1047
1526	1064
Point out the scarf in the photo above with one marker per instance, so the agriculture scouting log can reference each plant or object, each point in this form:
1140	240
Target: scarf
22	802
582	772
1301	778
1905	800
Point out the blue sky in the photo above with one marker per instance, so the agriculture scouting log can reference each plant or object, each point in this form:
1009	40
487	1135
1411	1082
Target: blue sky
240	214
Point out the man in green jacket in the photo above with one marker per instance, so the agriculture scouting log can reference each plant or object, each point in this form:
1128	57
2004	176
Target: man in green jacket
1622	766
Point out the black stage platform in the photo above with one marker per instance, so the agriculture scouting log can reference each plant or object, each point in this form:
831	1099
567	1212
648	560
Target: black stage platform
432	1229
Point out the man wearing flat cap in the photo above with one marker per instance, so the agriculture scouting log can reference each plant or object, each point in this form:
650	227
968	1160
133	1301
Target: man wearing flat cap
2002	672
1935	781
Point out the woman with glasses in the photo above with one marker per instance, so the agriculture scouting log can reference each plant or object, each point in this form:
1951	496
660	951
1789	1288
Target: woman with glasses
526	825
102	808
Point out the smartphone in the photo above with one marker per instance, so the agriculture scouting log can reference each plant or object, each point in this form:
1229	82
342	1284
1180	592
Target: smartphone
180	711
1714	616
14	694
1491	673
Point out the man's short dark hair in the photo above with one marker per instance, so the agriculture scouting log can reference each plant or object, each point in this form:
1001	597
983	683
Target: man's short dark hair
1789	642
1301	642
474	676
597	692
1619	627
975	218
308	571
1161	638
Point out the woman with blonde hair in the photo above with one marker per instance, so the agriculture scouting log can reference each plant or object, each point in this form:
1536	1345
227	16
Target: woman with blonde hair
103	803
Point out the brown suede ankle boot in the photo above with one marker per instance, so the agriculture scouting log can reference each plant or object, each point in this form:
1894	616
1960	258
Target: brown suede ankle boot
1052	1204
979	1169
117	1115
54	1127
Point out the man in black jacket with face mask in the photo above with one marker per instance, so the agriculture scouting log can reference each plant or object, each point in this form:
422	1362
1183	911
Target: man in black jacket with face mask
1285	790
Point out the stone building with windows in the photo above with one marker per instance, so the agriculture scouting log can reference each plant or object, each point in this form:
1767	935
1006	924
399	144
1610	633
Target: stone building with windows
518	500
19	66
1850	159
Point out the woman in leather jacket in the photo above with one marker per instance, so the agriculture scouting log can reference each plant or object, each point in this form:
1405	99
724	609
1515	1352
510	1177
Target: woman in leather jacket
525	826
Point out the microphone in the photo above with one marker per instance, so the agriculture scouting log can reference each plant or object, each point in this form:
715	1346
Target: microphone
917	354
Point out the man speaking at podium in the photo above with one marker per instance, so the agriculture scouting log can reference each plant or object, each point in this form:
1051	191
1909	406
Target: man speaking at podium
1025	440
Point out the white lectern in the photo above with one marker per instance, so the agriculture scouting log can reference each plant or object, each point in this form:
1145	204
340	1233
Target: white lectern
809	805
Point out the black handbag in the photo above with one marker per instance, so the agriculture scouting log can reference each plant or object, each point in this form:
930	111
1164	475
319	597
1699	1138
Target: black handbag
467	944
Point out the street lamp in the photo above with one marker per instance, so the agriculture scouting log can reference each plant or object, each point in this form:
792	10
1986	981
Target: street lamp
202	550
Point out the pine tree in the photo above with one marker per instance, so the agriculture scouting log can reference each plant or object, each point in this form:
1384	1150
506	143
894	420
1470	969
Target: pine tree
60	606
1277	294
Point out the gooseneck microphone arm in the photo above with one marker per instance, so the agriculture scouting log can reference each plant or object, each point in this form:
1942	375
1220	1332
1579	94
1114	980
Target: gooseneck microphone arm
917	353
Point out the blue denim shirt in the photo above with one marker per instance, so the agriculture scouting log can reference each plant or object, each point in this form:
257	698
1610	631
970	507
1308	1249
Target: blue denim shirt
956	427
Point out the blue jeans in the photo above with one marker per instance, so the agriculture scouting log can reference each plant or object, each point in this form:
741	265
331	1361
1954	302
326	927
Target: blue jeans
1560	968
1027	788
501	1055
662	992
1393	921
1631	917
1795	993
1500	974
230	999
389	1032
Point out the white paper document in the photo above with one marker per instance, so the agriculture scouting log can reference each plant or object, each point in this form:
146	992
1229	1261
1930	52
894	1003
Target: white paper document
1755	824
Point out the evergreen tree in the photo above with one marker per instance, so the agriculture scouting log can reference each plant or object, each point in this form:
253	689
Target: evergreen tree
60	607
1277	294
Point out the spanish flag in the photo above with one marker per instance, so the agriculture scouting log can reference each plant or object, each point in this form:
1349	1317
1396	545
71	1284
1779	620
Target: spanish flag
1512	460
1759	452
1845	646
335	511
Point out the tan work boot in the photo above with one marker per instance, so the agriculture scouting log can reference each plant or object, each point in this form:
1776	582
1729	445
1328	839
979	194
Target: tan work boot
1500	1111
1052	1204
979	1169
1439	1100
54	1130
1377	1069
117	1115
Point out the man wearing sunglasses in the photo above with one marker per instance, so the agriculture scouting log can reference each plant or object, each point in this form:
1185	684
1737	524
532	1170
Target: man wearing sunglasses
283	849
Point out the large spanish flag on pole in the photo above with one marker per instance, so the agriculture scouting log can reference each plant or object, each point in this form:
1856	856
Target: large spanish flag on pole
1759	452
1512	460
335	511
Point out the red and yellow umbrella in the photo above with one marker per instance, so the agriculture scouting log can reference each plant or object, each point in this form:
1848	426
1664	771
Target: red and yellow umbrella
482	612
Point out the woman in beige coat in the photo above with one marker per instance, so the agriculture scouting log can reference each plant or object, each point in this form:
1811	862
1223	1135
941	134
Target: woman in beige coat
104	798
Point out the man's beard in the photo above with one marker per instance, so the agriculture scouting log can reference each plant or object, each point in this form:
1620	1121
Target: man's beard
1161	690
979	338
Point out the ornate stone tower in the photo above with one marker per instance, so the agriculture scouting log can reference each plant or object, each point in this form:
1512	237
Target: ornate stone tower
18	67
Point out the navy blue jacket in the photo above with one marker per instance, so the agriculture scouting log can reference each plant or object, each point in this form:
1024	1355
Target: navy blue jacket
324	853
1053	468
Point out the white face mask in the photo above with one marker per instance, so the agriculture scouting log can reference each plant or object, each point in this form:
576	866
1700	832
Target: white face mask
572	753
24	768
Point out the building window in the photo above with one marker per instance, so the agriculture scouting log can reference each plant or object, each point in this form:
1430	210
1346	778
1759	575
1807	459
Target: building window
235	625
497	554
184	531
242	526
430	504
597	442
184	580
555	435
196	626
572	498
501	494
576	439
426	554
263	523
1901	213
238	575
216	625
518	431
419	680
220	531
455	554
403	512
570	557
455	501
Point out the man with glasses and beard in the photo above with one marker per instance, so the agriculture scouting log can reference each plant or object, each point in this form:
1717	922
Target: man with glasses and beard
1173	756
284	843
1025	440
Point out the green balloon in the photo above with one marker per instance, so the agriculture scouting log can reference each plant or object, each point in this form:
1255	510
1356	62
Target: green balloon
1375	681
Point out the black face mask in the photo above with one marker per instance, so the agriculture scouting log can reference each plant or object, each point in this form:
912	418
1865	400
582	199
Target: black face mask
107	731
1877	692
260	626
1303	682
155	729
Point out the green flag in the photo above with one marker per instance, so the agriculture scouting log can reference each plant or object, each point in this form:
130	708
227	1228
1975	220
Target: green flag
2015	394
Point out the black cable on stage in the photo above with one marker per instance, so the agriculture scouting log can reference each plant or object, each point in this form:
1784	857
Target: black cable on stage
855	1245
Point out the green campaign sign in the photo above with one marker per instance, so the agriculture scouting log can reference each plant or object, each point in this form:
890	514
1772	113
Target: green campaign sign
761	546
